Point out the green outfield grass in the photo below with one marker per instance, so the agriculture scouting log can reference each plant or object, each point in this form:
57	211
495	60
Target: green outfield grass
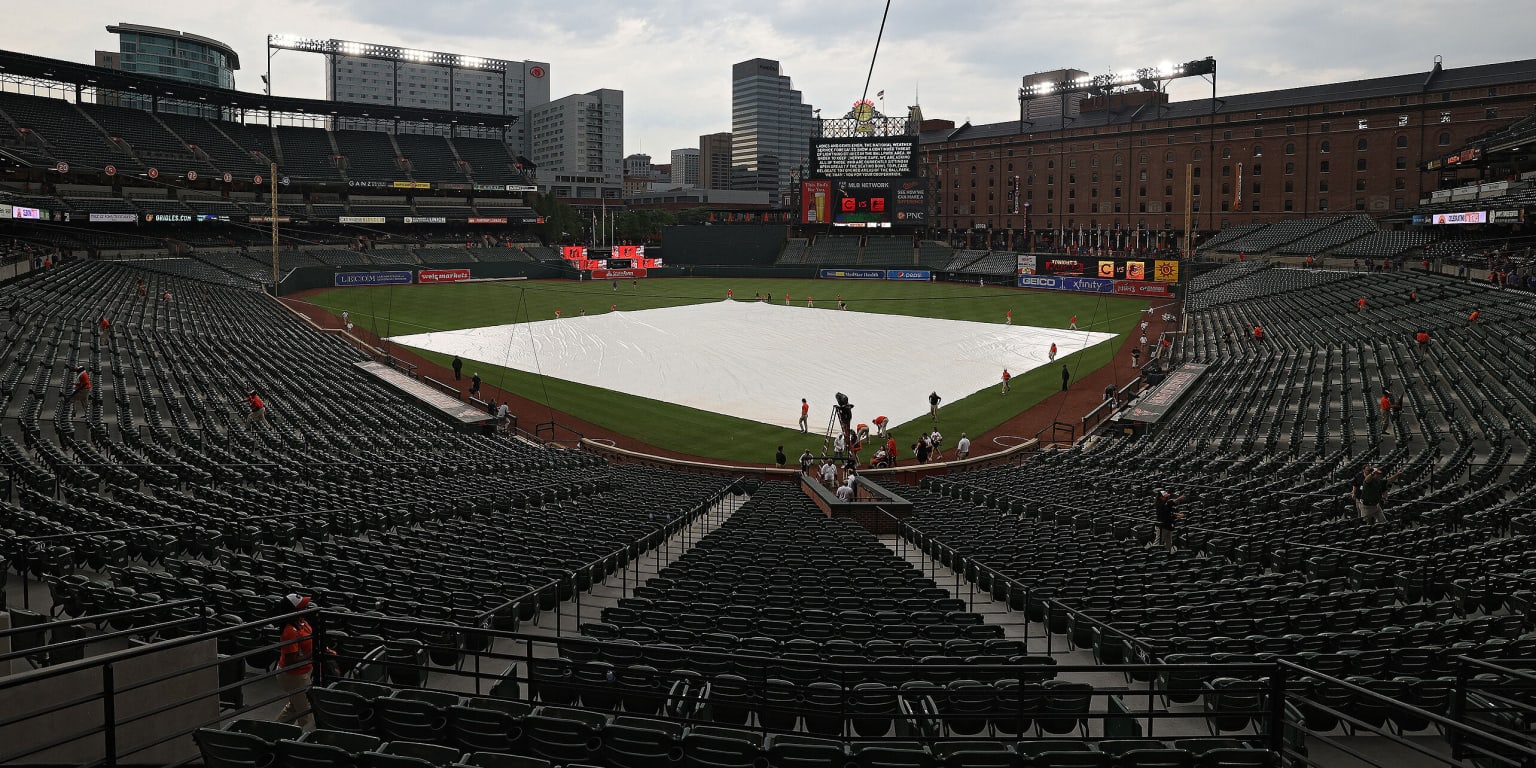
401	310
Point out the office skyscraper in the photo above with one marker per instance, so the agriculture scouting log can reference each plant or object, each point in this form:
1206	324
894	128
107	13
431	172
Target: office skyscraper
715	160
771	128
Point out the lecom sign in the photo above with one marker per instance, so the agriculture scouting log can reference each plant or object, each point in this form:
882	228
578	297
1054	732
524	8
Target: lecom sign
442	276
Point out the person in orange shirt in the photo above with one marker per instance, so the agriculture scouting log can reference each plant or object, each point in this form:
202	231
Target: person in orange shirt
1422	337
1008	319
1258	333
1053	351
1386	403
810	301
296	663
82	388
1072	324
1472	318
1360	304
105	325
805	412
1006	377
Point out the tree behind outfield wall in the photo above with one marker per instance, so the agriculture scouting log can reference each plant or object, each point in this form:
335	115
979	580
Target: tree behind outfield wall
562	224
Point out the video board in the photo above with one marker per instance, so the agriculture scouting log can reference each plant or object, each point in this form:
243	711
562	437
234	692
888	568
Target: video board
864	158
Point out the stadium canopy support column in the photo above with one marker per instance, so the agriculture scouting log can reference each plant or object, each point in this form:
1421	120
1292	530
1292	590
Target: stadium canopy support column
273	215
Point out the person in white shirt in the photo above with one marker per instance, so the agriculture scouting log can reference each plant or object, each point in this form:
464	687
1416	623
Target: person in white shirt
845	492
839	445
502	414
828	473
936	440
963	448
1143	327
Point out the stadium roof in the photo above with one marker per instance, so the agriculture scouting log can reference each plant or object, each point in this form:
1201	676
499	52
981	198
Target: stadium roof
21	65
1435	80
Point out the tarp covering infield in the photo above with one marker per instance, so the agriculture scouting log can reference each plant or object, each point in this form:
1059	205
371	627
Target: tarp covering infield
755	360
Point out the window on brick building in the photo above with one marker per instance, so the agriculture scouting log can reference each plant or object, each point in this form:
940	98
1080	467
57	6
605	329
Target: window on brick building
1258	150
1322	204
1288	206
1258	168
1290	148
1399	183
1360	164
1360	144
1325	146
1323	167
1359	185
1359	203
1226	170
1445	138
1290	168
1290	186
1226	153
1402	141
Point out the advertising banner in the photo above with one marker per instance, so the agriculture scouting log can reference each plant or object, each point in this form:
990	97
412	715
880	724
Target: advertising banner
114	218
487	219
425	220
1040	281
23	212
1088	284
1107	269
617	274
1135	270
1138	288
910	199
425	276
816	202
352	279
1063	267
368	184
268	219
1026	264
853	274
361	219
1165	271
573	252
1465	217
412	185
909	274
1516	216
167	218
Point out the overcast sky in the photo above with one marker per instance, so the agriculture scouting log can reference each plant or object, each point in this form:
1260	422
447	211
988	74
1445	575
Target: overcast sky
672	58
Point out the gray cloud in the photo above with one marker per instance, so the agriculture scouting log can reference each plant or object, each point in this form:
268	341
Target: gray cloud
672	57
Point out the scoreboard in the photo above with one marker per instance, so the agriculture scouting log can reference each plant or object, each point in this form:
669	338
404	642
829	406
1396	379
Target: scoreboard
865	182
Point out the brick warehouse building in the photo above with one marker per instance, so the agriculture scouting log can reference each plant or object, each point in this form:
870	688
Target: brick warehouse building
1336	149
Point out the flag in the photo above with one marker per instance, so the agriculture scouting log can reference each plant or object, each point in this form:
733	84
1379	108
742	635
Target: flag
880	95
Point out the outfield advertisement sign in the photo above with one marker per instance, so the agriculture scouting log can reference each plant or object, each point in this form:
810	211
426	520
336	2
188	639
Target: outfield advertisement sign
1079	284
1138	288
908	274
113	218
617	274
853	274
353	279
442	276
1027	264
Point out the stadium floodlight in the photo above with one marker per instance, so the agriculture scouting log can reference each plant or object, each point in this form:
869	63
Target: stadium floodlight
472	62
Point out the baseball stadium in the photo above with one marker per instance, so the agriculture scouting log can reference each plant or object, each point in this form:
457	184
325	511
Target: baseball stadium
341	438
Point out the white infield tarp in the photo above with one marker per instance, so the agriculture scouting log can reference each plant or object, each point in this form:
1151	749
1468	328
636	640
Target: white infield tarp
755	360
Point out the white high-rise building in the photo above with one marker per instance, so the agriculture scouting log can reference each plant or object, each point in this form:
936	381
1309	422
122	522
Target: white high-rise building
578	145
685	166
366	73
771	128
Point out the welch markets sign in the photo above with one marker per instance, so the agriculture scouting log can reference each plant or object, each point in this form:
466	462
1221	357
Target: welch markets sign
355	279
853	274
616	274
1137	288
442	276
908	274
